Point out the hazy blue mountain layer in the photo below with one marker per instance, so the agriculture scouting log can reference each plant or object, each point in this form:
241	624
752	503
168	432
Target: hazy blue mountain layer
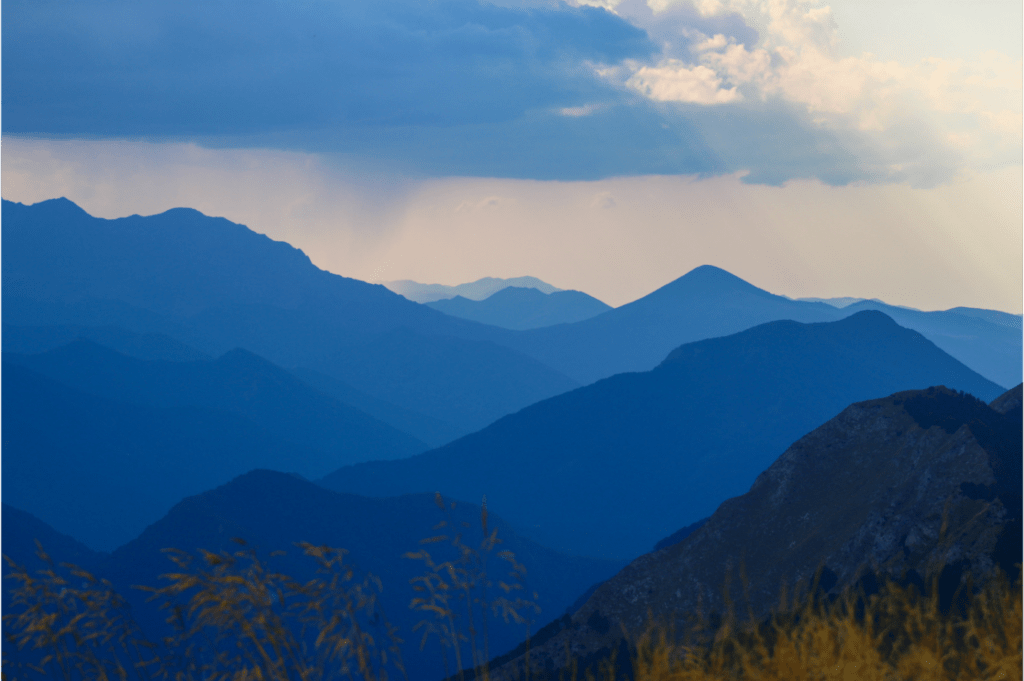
21	531
272	511
476	290
987	341
708	302
31	340
216	286
524	308
432	431
101	470
609	469
467	383
238	382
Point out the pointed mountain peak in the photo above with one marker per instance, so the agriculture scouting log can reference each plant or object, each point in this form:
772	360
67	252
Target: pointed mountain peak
1009	400
58	206
706	280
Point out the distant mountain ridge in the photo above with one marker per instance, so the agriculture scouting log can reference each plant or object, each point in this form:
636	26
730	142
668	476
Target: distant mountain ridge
709	302
524	308
237	381
902	486
214	285
475	290
62	267
670	443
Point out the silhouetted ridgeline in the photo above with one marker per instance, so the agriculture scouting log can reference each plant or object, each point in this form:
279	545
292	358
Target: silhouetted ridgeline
609	469
216	286
524	308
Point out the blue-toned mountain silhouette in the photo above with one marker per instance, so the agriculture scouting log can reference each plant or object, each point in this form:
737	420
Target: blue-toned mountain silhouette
474	290
708	302
524	308
31	340
433	431
988	341
272	511
215	286
102	469
238	382
609	469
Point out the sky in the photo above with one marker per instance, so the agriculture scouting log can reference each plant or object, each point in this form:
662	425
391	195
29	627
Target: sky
846	148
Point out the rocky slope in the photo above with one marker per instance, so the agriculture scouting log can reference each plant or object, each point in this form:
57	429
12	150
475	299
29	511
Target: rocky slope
915	481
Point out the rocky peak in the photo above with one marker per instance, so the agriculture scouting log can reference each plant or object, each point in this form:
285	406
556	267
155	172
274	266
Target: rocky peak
913	481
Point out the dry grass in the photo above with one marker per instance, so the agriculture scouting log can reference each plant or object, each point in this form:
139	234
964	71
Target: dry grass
77	624
234	620
457	595
895	635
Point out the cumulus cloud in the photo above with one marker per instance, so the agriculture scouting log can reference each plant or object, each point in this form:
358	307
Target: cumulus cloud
673	81
970	110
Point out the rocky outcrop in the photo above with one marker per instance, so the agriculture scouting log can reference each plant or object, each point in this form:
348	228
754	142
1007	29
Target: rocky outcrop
914	481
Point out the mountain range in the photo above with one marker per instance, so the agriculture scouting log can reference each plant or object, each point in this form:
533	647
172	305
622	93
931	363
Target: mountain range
918	483
524	308
609	469
214	286
475	290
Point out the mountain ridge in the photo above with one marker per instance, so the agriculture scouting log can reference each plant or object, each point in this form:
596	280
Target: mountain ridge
882	489
690	419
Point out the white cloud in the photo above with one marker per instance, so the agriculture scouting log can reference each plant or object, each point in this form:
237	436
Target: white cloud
674	81
579	111
970	107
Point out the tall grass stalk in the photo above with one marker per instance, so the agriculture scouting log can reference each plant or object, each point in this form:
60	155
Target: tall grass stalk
232	619
76	626
455	591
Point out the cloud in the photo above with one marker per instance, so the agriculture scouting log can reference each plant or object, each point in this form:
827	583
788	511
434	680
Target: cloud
523	89
190	68
673	81
967	111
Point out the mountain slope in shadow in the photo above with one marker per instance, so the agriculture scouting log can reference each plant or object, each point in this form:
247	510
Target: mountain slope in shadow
609	469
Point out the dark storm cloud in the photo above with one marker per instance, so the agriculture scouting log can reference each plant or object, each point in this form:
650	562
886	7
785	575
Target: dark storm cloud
187	68
445	87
